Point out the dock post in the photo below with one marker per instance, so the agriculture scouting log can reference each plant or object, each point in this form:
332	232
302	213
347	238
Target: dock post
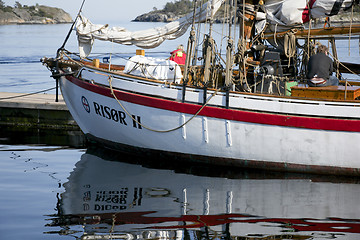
57	90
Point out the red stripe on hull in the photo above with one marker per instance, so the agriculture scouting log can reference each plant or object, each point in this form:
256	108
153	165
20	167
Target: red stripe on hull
318	123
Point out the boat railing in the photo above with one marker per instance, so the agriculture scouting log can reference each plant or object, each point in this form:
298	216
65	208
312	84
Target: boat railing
268	84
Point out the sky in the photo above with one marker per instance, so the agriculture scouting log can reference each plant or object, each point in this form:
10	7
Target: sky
100	10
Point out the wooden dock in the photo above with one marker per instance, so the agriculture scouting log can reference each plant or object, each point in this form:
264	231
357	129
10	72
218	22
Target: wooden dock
35	110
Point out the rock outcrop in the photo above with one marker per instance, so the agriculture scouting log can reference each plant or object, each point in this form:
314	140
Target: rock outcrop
156	16
34	15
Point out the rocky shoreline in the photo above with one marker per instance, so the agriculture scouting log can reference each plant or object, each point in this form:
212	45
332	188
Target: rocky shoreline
160	16
156	16
34	15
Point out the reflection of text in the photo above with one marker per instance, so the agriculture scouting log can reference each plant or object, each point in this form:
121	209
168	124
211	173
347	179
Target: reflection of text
114	200
111	200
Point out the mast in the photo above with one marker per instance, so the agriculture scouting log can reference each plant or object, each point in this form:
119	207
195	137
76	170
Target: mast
247	16
229	55
209	49
190	50
229	49
247	22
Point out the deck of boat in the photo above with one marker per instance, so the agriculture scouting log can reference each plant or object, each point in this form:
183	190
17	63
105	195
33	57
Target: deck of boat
330	92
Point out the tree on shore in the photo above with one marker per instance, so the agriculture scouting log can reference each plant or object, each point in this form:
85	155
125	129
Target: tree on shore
179	7
2	4
18	5
5	8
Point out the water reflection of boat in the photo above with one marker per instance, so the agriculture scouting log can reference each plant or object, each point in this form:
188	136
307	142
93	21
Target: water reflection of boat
122	199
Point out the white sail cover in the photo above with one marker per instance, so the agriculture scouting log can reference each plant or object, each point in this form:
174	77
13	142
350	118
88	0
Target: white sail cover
288	13
150	38
160	69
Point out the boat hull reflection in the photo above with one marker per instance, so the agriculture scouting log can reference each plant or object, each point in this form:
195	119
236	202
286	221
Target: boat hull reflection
113	197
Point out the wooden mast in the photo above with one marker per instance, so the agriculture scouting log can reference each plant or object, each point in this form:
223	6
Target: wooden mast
246	32
247	23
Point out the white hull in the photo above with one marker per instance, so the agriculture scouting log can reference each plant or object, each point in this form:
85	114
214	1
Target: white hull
256	131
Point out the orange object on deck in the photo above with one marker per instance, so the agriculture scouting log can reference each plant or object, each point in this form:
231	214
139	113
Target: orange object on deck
140	52
330	92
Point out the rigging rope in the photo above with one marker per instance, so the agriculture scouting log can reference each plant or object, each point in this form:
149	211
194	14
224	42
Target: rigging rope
308	40
338	61
69	33
351	21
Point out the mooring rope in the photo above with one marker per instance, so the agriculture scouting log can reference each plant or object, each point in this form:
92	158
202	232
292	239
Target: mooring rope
151	129
28	94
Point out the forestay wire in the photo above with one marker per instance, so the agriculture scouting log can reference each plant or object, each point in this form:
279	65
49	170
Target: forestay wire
69	33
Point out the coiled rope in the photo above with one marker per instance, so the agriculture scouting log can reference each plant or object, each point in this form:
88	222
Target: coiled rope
290	45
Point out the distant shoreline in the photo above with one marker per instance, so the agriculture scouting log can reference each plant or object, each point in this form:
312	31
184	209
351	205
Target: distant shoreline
35	23
30	15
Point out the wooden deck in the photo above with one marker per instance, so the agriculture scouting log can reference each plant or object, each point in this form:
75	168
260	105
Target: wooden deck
35	110
330	92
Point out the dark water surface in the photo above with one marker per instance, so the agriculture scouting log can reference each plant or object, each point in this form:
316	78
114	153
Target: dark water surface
52	186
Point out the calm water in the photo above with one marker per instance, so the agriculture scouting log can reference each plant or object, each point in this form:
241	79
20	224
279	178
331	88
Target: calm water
52	187
51	192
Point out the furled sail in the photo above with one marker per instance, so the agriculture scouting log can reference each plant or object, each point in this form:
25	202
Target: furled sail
87	31
283	15
289	13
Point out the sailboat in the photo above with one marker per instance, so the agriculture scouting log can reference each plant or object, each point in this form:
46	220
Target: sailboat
250	107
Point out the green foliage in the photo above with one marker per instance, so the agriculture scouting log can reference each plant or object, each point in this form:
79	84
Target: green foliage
2	4
4	7
7	9
42	13
17	5
179	7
